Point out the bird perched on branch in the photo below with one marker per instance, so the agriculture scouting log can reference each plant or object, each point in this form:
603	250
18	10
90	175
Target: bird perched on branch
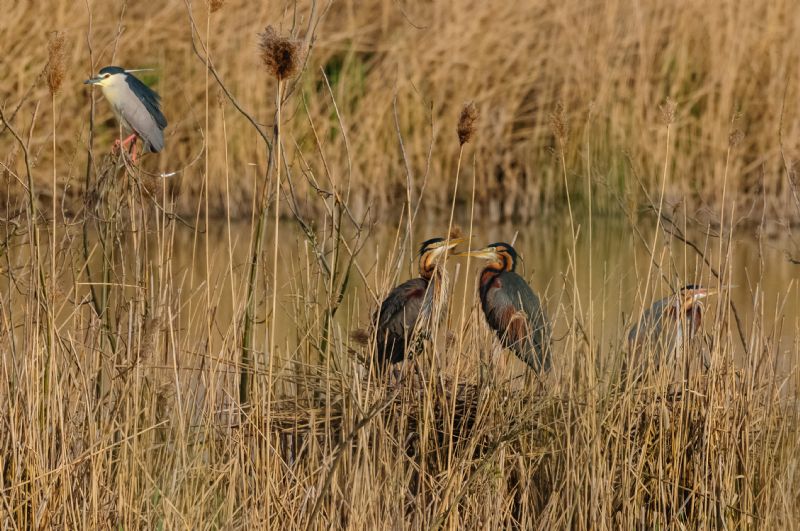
411	308
136	106
511	307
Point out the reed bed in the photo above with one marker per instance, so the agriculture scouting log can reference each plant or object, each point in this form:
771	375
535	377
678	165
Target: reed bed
136	394
729	66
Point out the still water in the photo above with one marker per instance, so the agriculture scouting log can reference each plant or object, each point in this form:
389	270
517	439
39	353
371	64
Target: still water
597	281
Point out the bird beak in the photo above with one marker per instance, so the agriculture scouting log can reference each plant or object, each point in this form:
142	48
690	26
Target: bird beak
692	296
486	253
446	245
92	81
451	243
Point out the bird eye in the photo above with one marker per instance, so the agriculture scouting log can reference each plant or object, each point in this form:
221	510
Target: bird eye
106	76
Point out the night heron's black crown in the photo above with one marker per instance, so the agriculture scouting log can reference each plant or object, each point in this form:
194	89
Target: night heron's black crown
110	70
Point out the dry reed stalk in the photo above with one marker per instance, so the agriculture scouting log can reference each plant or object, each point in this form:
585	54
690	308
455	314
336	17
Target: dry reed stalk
55	77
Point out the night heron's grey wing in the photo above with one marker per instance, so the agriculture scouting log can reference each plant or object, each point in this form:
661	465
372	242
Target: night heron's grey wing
514	311
144	114
396	319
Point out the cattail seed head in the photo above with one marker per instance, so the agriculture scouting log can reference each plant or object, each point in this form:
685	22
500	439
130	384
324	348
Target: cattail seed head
668	111
466	123
282	56
215	5
735	138
558	123
456	232
55	61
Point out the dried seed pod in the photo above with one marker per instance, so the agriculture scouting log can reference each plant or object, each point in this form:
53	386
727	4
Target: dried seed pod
466	123
558	123
668	111
55	61
735	138
282	56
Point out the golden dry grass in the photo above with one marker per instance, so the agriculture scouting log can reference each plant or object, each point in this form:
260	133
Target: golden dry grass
122	402
727	65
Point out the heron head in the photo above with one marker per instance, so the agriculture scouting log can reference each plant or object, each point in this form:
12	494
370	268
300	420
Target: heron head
500	254
430	252
104	77
110	74
689	306
692	294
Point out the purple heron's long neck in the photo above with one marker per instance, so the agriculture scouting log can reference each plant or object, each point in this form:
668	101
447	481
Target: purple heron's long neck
427	267
489	273
435	295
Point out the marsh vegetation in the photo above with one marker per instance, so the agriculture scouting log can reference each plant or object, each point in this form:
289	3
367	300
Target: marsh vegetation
177	336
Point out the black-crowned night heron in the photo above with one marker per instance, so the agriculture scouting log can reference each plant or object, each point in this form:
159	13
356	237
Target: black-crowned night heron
664	329
136	106
511	307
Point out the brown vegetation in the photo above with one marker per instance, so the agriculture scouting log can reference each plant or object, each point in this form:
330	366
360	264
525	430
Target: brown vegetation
135	394
727	65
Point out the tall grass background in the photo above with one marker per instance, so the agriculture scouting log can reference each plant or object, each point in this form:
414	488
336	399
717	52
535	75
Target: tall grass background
121	395
730	66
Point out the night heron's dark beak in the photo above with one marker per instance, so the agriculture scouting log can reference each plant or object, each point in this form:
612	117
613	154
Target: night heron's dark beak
92	80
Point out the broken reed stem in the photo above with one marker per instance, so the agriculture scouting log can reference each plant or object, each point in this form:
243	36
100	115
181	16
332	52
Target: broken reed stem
668	117
274	325
453	202
228	211
465	130
282	57
560	128
209	313
51	300
55	77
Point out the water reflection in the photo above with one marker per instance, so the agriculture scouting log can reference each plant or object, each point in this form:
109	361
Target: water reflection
599	282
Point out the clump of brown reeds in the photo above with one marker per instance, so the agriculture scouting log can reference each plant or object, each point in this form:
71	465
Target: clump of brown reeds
106	445
215	5
283	56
